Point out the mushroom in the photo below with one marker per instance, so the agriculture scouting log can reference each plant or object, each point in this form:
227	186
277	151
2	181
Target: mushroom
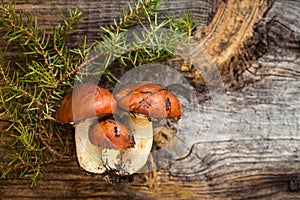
143	102
85	101
83	106
151	100
103	143
111	134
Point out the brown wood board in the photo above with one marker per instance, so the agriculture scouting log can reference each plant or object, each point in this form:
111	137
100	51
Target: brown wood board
256	155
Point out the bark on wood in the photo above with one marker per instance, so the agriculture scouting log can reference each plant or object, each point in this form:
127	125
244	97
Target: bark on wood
256	152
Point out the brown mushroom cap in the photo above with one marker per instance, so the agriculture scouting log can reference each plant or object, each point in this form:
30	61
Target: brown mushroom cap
151	100
85	101
111	134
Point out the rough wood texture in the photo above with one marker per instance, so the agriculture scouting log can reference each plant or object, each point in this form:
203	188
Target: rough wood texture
256	152
104	12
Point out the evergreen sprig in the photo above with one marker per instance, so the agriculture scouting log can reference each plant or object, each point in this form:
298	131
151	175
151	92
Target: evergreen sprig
139	37
47	68
29	93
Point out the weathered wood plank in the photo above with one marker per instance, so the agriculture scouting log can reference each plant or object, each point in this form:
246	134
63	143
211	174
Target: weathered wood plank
104	12
255	154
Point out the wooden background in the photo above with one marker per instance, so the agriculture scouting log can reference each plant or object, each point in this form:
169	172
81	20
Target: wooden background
256	153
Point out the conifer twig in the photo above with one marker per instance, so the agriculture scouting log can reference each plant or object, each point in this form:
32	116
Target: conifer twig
31	35
10	84
30	95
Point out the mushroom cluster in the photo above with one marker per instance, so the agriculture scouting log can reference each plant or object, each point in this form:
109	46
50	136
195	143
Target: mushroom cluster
103	143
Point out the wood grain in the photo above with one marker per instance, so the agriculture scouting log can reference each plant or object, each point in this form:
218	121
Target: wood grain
248	149
104	12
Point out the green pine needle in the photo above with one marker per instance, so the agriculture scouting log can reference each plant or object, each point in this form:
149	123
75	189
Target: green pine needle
33	85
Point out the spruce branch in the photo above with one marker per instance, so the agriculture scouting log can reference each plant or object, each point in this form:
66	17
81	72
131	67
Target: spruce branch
16	88
30	33
130	18
29	94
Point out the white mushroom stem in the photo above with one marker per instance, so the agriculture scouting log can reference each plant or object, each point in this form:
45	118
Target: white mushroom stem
133	159
88	155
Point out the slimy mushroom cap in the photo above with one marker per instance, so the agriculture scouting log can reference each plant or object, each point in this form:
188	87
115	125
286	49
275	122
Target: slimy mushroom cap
111	134
151	100
85	101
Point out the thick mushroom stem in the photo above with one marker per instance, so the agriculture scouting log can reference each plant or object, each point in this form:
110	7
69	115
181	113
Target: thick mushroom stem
88	155
133	159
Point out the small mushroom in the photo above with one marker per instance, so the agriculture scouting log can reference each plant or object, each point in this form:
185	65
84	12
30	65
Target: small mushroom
83	106
143	101
111	134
